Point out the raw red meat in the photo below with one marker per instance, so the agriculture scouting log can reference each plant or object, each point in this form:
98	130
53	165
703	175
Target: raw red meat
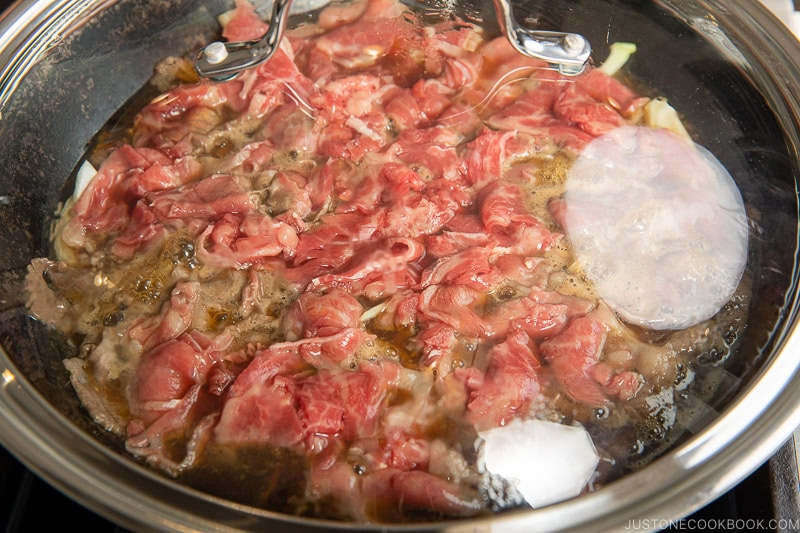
509	386
364	281
572	354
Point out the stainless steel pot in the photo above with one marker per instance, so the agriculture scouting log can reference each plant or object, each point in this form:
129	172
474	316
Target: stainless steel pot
66	66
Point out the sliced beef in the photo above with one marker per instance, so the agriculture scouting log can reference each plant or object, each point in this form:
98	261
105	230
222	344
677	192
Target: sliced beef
353	265
175	398
510	384
572	354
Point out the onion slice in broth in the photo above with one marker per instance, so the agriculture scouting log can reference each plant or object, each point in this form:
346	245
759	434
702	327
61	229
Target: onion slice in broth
658	225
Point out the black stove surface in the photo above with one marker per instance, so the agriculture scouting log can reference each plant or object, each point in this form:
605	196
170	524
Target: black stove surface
21	497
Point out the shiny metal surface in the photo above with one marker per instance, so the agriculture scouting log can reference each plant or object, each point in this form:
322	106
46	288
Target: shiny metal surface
45	434
222	61
567	52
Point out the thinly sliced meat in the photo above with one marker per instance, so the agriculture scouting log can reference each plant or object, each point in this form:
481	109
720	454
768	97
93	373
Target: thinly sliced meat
424	213
540	314
260	406
625	385
377	272
530	112
399	180
143	234
531	117
326	248
330	243
470	268
433	97
292	127
93	399
356	96
321	315
462	67
207	199
338	485
362	44
433	151
165	374
455	306
528	239
267	414
360	394
105	206
365	198
251	158
501	206
449	243
538	320
388	488
571	356
502	65
523	270
595	118
492	153
399	311
268	87
515	229
186	114
239	242
360	210
597	103
333	16
389	47
337	350
438	343
279	403
462	307
289	199
320	188
243	23
607	89
404	111
380	188
510	384
176	392
187	208
174	319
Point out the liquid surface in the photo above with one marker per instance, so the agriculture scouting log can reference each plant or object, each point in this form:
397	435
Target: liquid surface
313	288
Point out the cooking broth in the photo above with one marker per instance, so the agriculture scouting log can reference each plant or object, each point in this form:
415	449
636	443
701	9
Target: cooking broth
338	353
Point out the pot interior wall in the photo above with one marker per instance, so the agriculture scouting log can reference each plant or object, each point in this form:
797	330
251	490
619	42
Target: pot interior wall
48	123
58	107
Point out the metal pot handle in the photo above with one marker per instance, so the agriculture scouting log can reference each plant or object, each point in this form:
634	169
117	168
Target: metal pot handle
567	52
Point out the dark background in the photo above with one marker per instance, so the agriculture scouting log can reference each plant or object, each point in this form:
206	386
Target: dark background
29	504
